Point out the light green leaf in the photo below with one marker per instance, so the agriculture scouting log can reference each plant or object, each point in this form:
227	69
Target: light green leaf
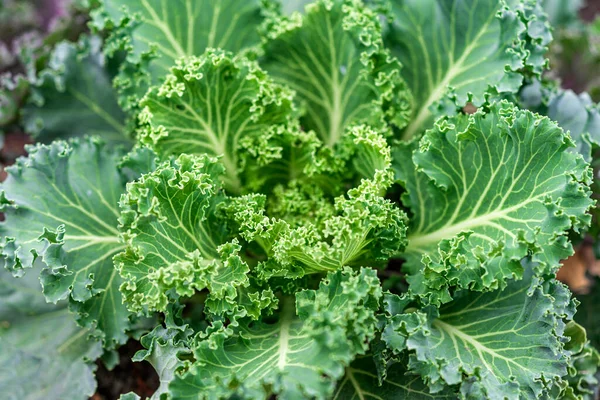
368	152
43	353
486	190
303	231
61	202
155	33
461	49
363	228
504	344
219	105
361	382
308	171
333	57
279	155
362	154
299	356
300	203
176	243
73	96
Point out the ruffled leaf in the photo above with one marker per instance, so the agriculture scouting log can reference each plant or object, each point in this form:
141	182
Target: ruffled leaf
74	96
333	57
503	344
300	355
485	191
462	50
176	243
155	34
313	235
43	353
222	106
61	203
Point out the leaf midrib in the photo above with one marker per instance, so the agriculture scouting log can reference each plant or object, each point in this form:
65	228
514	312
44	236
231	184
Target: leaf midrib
96	109
441	87
164	28
479	347
287	314
355	384
420	242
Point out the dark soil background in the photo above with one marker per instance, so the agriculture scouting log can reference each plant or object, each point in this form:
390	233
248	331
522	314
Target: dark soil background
126	377
591	9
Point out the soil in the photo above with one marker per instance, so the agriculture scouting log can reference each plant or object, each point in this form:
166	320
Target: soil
127	376
14	147
591	10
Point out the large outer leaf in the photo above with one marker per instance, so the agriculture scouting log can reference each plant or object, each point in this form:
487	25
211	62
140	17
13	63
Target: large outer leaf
215	104
73	96
576	114
172	29
462	49
361	382
333	57
61	202
175	241
43	353
486	190
502	344
296	357
579	116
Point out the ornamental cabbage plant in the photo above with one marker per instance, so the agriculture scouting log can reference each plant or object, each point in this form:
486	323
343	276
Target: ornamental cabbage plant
328	199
